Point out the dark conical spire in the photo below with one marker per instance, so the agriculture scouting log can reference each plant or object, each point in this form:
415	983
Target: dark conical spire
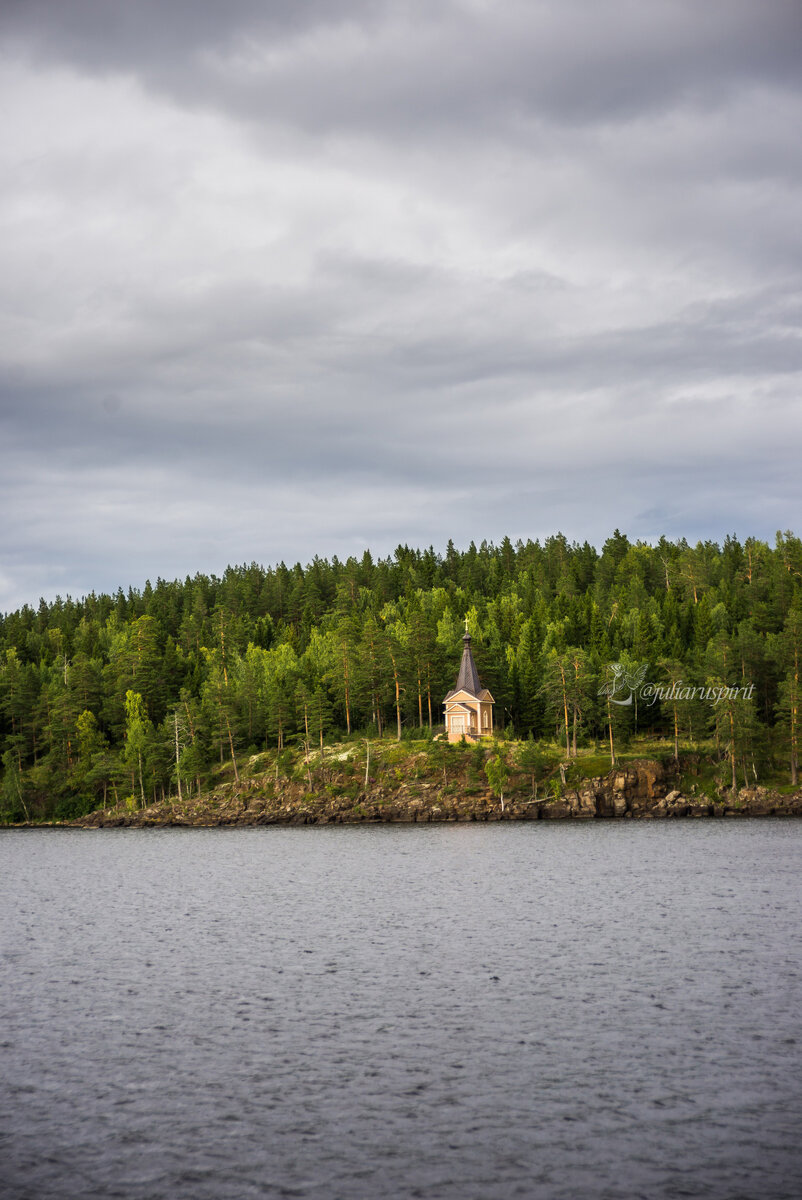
468	678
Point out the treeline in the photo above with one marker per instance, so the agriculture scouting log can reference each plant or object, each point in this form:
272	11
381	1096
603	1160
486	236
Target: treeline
134	693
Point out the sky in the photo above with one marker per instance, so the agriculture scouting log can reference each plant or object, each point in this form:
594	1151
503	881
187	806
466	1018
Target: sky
286	278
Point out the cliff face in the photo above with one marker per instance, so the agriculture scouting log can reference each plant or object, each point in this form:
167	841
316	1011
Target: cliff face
642	789
646	789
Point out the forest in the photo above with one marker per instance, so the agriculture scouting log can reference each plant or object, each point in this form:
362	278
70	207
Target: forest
131	694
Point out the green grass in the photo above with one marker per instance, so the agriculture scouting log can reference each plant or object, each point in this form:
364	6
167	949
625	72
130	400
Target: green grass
397	764
706	780
589	766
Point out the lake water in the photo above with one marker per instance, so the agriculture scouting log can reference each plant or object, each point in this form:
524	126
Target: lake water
467	1012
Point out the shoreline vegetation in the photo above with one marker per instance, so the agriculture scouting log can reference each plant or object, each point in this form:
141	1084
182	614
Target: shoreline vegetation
431	781
256	695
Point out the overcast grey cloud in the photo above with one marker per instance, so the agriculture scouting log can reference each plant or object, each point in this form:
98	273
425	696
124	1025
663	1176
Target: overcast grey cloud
295	278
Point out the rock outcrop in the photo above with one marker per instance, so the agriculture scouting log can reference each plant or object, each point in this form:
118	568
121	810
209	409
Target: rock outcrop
643	789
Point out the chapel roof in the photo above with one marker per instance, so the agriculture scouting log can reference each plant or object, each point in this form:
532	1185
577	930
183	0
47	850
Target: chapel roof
468	677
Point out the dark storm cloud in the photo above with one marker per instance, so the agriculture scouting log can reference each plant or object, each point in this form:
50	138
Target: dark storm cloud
288	279
375	65
111	35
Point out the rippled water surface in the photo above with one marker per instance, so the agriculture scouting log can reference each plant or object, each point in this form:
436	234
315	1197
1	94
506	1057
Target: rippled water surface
604	1010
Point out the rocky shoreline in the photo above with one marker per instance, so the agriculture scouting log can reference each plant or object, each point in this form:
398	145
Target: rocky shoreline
644	791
